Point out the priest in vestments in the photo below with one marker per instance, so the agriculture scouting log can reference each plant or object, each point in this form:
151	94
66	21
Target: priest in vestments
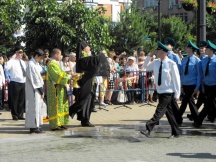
90	66
34	93
57	99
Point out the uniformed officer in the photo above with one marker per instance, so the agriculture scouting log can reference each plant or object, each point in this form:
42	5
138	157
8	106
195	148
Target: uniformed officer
190	80
170	43
208	73
167	81
201	96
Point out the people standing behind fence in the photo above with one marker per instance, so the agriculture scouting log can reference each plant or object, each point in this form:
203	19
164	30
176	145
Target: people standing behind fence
34	93
103	83
2	82
101	89
150	86
123	61
179	53
142	55
190	80
17	69
25	58
57	98
208	73
132	72
111	81
116	59
140	63
7	81
65	63
72	61
46	59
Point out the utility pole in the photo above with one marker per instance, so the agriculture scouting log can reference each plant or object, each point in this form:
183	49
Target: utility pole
202	22
159	21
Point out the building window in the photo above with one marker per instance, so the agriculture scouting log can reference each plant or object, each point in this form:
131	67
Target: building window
151	3
173	2
183	16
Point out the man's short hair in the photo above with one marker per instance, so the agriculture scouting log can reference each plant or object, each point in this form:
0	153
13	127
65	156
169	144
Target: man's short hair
55	51
46	50
38	52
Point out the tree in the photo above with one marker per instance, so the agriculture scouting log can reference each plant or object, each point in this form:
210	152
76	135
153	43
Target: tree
210	27
50	24
130	32
11	12
175	28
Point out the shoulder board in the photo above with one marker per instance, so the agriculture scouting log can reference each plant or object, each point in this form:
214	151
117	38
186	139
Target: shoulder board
197	57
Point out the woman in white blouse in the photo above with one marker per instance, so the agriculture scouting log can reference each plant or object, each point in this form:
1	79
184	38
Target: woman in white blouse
132	73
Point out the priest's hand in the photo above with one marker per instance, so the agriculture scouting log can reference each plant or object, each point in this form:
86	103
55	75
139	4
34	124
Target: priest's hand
0	87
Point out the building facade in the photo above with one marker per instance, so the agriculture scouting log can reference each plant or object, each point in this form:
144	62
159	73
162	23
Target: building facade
112	7
168	8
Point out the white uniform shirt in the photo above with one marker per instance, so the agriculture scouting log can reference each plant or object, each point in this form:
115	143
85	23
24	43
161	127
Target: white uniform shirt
170	78
16	74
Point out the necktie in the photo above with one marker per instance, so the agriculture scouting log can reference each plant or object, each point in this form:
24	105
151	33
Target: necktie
186	68
159	74
23	70
207	67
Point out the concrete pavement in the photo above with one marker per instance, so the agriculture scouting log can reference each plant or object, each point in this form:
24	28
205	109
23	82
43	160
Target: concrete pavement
115	138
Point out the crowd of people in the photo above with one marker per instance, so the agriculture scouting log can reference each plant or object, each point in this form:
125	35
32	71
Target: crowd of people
44	79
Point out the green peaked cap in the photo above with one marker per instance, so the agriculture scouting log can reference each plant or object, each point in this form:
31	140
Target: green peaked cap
191	45
203	44
170	41
161	46
211	45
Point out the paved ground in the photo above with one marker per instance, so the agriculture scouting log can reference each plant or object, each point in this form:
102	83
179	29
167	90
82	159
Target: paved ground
115	138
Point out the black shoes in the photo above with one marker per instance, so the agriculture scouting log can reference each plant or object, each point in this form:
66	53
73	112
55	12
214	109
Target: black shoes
189	116
197	125
173	136
145	132
36	130
87	124
15	118
94	110
58	129
63	127
211	119
21	118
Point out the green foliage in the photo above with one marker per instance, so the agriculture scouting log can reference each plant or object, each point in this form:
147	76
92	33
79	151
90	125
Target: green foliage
194	2
175	28
50	24
10	21
130	32
210	27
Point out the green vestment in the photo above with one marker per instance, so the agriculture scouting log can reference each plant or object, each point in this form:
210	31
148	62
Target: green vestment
57	99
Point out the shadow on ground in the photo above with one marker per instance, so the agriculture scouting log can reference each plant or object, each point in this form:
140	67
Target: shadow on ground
193	155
